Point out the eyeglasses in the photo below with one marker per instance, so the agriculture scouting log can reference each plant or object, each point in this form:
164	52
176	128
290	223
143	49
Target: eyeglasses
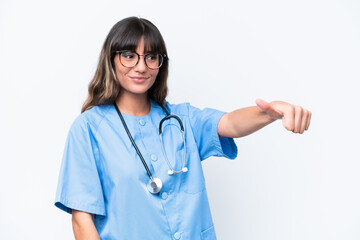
130	59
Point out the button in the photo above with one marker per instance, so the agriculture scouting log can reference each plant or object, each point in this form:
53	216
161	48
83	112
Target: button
177	235
142	122
153	157
164	195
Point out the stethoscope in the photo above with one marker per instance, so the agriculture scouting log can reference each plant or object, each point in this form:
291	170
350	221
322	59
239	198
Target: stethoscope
155	184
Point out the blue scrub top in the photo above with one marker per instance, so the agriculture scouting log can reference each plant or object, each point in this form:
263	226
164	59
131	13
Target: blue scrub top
102	174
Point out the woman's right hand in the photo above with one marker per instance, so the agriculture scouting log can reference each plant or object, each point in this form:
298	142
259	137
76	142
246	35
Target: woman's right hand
83	226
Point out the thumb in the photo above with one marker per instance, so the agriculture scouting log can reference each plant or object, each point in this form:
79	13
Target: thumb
269	109
262	104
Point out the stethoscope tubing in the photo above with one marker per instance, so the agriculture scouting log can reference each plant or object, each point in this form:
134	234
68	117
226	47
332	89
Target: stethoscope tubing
155	183
133	142
172	171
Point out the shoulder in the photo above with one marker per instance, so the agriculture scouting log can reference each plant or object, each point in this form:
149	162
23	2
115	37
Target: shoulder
194	113
90	119
179	108
187	109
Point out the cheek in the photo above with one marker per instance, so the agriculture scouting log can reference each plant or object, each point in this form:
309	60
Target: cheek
121	73
154	74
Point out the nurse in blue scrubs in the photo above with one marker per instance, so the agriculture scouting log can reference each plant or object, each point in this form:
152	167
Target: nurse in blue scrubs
114	152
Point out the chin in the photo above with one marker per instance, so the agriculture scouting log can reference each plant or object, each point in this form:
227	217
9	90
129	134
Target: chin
139	91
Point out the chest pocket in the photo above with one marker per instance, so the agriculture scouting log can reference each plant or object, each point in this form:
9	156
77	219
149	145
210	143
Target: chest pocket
192	181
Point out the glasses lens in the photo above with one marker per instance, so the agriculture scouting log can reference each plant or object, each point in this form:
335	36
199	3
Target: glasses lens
128	58
153	60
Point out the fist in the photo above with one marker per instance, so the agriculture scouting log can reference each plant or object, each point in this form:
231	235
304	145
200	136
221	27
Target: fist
294	118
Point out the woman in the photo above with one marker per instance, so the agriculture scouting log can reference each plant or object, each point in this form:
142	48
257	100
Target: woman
120	178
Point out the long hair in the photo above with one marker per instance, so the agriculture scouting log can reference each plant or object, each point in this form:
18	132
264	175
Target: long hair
125	35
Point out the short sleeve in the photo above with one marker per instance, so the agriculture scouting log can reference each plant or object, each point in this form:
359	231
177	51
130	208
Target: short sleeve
79	185
204	124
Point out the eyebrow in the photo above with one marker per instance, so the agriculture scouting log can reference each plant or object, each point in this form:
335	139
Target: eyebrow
137	52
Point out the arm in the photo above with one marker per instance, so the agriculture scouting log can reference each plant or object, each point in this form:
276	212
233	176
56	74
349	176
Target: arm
83	226
245	121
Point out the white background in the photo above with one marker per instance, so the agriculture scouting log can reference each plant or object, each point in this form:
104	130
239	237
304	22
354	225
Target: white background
224	55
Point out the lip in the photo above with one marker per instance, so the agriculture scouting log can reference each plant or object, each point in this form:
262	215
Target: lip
139	79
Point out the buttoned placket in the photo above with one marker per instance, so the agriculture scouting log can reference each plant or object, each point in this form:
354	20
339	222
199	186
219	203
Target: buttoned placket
148	127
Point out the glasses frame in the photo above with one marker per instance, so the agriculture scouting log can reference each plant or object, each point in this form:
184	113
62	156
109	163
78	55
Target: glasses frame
139	55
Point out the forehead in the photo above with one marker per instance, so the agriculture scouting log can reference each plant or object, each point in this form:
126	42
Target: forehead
140	48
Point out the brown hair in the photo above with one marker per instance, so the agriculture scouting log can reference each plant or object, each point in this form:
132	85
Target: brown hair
125	35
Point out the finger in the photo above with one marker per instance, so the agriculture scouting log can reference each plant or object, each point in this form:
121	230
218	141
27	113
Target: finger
298	118
304	121
308	121
275	113
269	109
289	118
263	105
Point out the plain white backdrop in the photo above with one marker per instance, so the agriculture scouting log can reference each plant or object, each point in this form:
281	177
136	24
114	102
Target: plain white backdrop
223	55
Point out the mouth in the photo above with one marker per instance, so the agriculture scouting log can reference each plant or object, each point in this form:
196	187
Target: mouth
139	79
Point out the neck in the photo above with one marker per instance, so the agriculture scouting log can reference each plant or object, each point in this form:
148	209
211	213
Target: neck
137	105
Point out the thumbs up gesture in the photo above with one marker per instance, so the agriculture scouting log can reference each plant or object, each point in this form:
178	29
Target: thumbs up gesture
294	118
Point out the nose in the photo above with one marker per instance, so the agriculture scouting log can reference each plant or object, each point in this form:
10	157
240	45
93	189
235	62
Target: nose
141	66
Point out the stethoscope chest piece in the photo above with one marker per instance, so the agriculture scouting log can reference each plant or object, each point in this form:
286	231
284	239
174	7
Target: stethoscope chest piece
154	185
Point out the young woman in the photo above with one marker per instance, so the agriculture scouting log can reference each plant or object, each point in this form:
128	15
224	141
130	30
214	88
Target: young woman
131	167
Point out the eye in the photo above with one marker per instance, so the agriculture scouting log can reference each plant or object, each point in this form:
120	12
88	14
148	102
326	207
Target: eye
128	55
152	57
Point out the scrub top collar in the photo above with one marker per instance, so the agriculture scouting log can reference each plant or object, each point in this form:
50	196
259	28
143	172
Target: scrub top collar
154	106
